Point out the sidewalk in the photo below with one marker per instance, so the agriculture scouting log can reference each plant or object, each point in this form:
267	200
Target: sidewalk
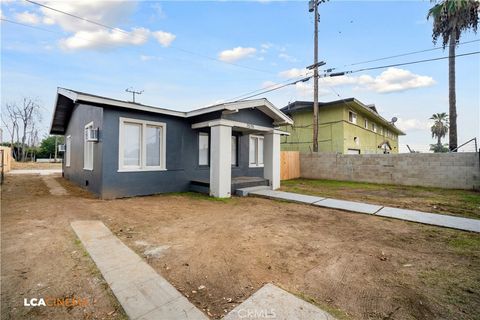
42	172
359	207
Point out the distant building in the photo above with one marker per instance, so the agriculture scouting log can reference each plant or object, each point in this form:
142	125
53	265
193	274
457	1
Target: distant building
345	126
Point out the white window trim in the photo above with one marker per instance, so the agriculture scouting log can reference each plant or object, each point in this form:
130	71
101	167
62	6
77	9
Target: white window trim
143	150
90	124
366	124
354	121
68	153
256	164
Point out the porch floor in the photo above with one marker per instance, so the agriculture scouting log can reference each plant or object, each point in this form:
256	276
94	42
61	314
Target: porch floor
203	185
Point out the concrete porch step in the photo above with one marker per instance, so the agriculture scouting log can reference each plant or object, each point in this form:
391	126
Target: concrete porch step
243	192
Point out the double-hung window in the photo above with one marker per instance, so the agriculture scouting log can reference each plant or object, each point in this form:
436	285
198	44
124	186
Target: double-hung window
256	151
87	149
203	148
352	117
141	145
68	148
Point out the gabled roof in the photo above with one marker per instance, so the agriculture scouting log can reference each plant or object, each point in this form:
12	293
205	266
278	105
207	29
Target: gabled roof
353	103
66	99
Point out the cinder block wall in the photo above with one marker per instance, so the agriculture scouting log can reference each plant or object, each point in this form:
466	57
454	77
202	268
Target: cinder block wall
443	170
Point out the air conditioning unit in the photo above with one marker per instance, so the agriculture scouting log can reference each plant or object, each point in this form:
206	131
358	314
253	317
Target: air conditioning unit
61	148
92	134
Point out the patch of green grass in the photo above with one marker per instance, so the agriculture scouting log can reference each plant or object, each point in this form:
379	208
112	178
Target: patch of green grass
465	243
332	184
472	198
337	313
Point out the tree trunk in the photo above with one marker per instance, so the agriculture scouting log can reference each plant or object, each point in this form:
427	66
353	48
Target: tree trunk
451	93
439	141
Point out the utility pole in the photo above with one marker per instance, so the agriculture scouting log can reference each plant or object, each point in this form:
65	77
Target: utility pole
313	7
133	92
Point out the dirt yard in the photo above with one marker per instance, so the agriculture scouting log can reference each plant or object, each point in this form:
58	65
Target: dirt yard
35	165
454	202
355	266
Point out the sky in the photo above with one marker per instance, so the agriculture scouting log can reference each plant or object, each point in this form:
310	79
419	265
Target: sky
190	54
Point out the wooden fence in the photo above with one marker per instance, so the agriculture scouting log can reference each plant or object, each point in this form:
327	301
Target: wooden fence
289	165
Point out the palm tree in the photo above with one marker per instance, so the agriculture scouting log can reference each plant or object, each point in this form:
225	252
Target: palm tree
439	130
450	19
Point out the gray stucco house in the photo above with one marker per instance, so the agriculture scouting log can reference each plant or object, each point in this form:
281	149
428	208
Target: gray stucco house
116	148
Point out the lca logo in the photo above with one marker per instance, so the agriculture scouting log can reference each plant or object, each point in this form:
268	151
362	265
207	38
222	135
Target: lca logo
55	302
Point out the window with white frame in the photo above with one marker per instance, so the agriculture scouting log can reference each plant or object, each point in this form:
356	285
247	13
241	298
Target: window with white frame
256	151
234	151
141	145
68	147
203	150
352	117
366	124
87	148
374	127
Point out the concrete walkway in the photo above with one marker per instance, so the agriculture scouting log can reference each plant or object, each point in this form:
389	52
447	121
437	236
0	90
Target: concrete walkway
54	187
145	295
42	172
271	302
359	207
142	292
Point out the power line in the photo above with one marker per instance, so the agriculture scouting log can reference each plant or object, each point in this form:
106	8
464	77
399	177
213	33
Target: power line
399	55
412	62
359	70
407	54
146	38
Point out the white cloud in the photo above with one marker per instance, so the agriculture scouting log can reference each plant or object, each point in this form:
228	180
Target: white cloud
395	79
164	38
27	17
103	39
413	124
390	80
236	54
86	35
148	58
111	13
294	73
287	57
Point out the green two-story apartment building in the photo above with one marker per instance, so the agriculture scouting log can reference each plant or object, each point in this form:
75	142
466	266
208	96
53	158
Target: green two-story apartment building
345	126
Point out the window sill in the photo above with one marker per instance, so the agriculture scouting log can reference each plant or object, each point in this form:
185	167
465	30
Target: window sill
141	169
256	166
88	169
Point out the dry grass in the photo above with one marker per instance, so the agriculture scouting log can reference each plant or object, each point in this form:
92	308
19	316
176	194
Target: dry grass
446	201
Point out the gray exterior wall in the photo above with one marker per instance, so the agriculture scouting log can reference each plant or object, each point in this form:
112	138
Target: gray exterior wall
90	179
457	170
181	152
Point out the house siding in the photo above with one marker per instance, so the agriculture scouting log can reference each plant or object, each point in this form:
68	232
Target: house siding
336	134
90	179
181	154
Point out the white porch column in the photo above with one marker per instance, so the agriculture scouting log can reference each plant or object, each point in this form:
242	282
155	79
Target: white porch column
271	157
220	161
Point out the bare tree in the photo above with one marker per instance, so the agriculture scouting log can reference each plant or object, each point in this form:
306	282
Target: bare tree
22	119
10	121
28	114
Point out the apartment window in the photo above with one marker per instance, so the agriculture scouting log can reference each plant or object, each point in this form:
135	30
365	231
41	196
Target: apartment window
256	151
234	151
374	127
68	146
141	145
203	151
87	149
366	124
380	130
352	117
